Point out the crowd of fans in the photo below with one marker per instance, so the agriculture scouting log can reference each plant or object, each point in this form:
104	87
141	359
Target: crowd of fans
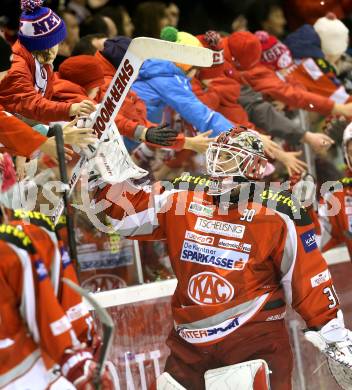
272	68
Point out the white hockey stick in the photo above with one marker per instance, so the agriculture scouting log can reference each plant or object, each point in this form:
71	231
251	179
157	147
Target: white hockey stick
139	50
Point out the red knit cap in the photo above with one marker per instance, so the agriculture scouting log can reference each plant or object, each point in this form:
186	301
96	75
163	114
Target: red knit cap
212	40
83	70
245	49
275	54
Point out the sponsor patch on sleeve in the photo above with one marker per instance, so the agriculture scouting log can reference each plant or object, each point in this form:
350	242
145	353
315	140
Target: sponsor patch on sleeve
60	326
308	241
41	270
323	277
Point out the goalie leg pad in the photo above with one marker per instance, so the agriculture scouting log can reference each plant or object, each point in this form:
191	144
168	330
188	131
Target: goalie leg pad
166	382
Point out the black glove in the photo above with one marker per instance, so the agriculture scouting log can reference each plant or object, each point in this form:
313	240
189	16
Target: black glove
161	135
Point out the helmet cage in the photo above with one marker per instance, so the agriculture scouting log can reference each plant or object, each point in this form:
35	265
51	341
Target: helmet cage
245	163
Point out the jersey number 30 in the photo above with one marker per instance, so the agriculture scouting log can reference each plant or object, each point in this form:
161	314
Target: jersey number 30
332	296
247	215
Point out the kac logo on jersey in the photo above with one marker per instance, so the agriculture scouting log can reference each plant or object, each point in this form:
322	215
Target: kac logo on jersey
220	227
41	270
308	241
208	288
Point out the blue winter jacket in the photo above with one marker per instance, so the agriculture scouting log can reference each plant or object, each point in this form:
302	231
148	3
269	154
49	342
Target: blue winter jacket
161	83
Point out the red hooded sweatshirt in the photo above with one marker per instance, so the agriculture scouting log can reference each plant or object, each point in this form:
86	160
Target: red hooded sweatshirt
28	87
16	137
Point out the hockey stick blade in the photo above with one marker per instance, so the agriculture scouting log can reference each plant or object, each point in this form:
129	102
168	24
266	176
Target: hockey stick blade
107	323
138	51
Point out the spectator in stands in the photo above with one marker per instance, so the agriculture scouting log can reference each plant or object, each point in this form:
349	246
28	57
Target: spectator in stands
266	15
98	24
317	51
89	44
173	14
149	19
121	18
242	51
72	37
79	9
27	87
5	58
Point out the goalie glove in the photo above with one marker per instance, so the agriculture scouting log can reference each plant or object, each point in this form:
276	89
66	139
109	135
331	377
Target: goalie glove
164	136
79	367
335	341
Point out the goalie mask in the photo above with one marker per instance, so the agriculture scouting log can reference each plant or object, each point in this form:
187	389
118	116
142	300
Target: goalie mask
235	156
347	137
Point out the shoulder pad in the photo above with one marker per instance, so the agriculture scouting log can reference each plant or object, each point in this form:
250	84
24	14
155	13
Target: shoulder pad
61	222
35	218
285	202
191	182
11	234
346	181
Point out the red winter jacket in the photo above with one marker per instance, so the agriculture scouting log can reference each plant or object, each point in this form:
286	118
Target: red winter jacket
17	138
66	91
265	81
19	95
310	74
133	111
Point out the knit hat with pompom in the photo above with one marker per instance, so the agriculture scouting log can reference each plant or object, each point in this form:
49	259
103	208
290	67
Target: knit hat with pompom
40	27
275	54
212	40
171	34
333	34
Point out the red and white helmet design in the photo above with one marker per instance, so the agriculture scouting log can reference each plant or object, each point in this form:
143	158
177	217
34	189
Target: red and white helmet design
238	152
347	137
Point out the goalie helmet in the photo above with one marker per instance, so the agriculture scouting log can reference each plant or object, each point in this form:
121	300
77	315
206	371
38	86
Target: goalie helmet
347	137
237	155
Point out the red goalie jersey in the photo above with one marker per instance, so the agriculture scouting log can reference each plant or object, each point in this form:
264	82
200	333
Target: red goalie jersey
39	316
234	262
